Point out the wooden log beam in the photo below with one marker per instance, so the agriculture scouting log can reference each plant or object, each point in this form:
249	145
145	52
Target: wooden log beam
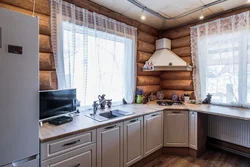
145	47
188	60
148	80
140	72
46	61
186	85
176	32
143	36
142	57
168	93
150	88
45	43
48	80
181	42
44	27
176	75
44	20
42	6
182	51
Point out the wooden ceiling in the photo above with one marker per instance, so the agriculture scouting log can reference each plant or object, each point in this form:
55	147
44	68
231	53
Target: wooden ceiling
169	8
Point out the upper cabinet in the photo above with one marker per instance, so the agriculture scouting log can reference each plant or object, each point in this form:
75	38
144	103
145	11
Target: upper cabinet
176	128
153	132
110	146
133	141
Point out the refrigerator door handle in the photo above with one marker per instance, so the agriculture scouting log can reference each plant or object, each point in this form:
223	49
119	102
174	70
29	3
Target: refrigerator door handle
0	37
25	160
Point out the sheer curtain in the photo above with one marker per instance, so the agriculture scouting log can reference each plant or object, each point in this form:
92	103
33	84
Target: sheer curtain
221	58
93	53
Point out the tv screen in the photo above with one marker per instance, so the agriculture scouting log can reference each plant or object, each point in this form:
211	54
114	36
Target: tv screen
57	102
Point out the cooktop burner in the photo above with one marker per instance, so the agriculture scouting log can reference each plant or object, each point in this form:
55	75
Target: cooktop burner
169	103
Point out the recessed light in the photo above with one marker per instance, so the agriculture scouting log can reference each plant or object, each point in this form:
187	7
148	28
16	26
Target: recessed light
143	17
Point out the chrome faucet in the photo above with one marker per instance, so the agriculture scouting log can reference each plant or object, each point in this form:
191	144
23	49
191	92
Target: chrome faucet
95	105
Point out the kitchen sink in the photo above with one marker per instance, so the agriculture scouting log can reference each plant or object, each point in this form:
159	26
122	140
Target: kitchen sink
109	115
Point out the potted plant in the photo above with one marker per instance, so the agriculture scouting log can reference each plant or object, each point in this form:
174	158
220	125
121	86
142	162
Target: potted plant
139	93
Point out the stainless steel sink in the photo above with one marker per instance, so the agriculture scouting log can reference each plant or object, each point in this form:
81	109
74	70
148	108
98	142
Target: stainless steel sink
109	115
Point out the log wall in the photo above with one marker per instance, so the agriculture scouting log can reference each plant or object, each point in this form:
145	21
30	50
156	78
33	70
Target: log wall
182	82
148	81
48	80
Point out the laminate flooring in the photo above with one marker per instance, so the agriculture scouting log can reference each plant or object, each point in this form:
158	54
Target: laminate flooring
210	158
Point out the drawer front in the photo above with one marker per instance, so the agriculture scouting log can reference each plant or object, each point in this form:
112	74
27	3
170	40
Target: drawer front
82	157
60	146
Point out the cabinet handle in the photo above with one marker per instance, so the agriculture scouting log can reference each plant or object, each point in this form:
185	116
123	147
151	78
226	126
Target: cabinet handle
77	165
176	112
153	115
134	120
71	143
110	127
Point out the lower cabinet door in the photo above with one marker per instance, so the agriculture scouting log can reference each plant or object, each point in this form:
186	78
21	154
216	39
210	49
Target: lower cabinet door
82	157
110	146
176	128
153	132
193	129
133	141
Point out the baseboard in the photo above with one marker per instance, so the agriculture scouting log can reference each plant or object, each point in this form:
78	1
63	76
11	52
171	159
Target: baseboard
183	151
229	147
148	158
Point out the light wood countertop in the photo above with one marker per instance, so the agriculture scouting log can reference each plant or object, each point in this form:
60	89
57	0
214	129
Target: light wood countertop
81	123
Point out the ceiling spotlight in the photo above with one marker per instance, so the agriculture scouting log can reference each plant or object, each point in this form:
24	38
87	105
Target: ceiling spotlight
201	16
248	1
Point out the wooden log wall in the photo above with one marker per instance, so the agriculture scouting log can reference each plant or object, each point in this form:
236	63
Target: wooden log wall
182	82
147	35
148	81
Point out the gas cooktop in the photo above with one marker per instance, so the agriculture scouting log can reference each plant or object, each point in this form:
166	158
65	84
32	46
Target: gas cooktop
169	103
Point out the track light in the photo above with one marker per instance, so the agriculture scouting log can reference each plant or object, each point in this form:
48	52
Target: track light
143	17
201	16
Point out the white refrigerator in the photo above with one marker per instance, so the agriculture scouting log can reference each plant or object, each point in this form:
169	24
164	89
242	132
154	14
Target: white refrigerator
19	90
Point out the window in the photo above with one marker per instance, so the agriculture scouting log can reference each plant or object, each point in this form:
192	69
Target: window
93	53
224	67
221	52
98	63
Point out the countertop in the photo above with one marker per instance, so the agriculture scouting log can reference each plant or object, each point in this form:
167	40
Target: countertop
81	123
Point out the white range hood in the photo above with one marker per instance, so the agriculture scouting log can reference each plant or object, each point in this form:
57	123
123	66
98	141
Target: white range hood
164	59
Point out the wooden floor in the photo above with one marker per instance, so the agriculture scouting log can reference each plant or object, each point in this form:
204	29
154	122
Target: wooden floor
208	159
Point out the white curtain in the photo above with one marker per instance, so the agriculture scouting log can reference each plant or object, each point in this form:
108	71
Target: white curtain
93	53
221	59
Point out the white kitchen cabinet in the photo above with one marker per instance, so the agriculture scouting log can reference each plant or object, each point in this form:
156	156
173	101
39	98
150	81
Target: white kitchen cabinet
133	141
63	145
82	157
110	146
193	116
176	128
153	132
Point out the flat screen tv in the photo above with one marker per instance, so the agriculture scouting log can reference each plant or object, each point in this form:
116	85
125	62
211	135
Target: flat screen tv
57	102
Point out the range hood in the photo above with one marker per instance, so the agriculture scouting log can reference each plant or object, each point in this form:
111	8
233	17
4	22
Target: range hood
164	59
